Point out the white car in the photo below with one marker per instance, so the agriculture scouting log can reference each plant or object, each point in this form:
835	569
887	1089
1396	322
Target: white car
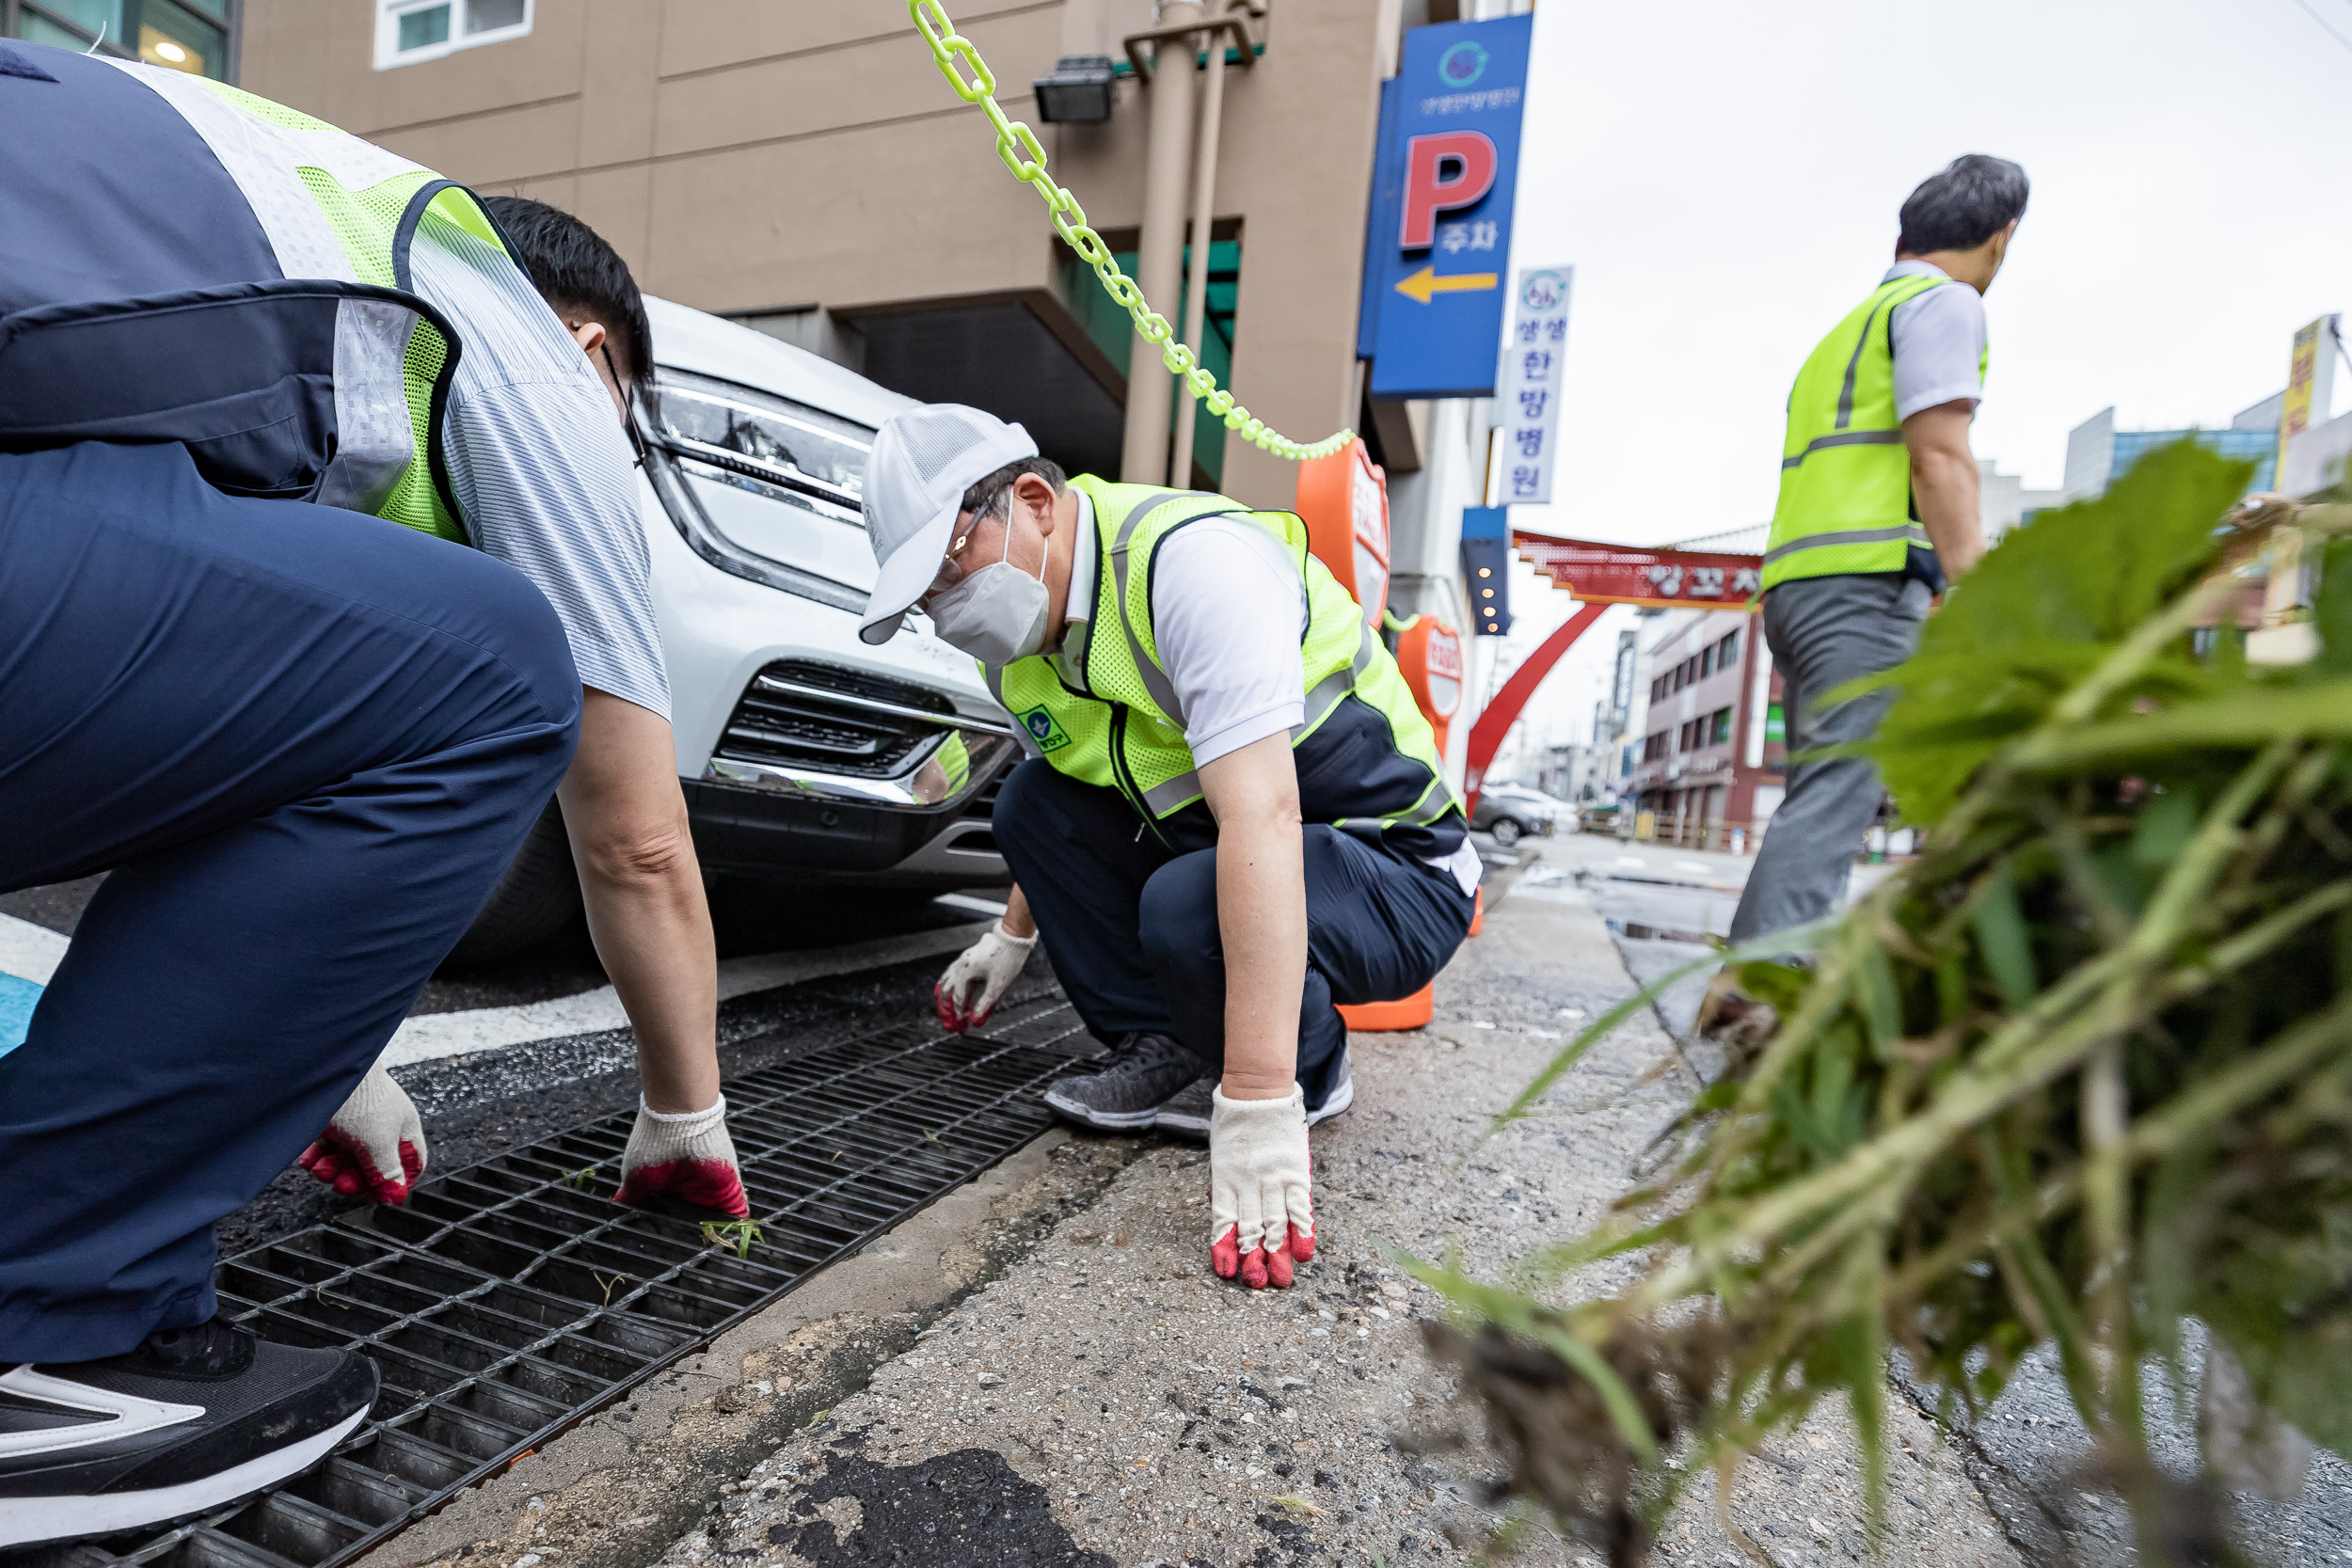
806	756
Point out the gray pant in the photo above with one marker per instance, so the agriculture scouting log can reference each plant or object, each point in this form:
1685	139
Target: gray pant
1823	632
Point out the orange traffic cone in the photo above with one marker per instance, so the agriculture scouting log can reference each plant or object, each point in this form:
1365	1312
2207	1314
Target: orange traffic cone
1408	1012
1478	913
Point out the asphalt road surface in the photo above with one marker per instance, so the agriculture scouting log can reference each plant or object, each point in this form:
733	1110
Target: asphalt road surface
505	1053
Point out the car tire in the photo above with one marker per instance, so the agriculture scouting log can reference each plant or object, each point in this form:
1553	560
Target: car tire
1506	832
537	896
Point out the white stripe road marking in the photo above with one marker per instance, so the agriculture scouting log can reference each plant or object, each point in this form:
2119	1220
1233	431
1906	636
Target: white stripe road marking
27	951
31	951
435	1035
965	901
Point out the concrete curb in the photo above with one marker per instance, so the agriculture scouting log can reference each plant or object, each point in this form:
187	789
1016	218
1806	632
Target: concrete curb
621	1486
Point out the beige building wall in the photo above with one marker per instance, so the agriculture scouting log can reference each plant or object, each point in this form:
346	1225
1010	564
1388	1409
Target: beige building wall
759	155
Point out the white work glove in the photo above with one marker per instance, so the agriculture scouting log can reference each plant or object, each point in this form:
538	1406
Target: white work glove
684	1155
1261	1188
374	1147
993	963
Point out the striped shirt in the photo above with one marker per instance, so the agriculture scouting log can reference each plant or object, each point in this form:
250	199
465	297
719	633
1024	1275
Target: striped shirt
538	462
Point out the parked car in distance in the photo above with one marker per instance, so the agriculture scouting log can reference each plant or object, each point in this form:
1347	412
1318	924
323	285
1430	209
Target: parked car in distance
1511	810
807	756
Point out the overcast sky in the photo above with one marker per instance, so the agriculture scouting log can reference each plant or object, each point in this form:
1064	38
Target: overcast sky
1724	179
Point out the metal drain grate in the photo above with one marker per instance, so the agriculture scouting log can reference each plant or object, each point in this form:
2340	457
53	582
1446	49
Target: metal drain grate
505	1303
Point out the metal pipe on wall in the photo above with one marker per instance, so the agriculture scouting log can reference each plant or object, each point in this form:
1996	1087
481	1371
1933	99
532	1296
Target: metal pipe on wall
1143	458
1197	275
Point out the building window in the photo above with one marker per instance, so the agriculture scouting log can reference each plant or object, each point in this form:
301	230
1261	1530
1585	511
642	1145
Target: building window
1706	663
1728	651
179	34
409	32
1722	726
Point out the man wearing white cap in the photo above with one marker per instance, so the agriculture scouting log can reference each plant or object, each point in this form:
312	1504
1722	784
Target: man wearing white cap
1232	816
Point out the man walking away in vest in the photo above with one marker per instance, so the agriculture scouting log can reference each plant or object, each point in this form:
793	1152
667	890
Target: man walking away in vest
1877	514
240	351
1232	816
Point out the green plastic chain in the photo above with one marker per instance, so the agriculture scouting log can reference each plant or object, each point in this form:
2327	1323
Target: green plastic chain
1017	145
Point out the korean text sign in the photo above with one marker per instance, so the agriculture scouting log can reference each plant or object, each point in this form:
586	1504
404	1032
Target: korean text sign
1438	244
1534	357
1623	573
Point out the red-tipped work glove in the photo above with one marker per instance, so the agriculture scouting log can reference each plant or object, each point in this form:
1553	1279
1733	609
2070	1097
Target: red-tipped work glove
980	975
1261	1188
686	1155
374	1147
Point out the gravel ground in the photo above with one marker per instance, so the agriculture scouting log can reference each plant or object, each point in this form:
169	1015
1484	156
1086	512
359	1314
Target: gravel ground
1106	1400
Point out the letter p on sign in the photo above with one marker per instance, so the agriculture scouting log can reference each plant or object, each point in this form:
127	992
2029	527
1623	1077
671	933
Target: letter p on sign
1444	172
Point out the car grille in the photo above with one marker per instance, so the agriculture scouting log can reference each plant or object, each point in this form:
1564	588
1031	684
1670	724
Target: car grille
983	807
791	716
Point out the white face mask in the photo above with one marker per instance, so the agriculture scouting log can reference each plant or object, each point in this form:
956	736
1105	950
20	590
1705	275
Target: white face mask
997	614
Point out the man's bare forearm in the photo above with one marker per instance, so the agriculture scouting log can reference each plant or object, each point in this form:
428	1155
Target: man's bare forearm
1261	914
1944	483
1018	921
642	886
1946	491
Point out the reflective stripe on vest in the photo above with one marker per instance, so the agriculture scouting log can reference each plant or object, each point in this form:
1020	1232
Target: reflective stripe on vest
1122	727
1845	486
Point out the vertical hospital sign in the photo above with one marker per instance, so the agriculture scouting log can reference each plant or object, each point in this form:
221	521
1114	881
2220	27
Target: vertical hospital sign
1528	384
1438	241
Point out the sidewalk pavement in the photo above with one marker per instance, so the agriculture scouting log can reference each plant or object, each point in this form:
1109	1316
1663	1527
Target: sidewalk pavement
1099	1399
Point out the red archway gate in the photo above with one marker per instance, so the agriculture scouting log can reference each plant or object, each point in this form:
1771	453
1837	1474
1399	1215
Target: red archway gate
1597	576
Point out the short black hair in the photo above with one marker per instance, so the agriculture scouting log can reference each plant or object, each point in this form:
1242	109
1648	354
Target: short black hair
984	494
1960	207
571	264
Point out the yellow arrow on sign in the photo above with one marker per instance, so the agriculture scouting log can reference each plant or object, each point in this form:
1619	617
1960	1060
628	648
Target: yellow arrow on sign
1422	284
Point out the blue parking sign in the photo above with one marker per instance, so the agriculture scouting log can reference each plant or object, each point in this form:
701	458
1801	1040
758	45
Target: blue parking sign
1438	250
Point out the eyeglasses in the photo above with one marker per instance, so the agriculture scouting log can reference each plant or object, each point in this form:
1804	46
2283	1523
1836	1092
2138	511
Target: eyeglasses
952	571
628	412
627	391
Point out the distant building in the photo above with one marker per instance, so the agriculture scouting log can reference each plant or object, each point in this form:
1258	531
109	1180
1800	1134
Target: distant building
1574	771
1711	766
2097	453
198	37
2003	502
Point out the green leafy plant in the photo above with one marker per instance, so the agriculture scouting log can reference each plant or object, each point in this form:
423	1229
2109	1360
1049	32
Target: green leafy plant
581	1181
2079	1074
738	1235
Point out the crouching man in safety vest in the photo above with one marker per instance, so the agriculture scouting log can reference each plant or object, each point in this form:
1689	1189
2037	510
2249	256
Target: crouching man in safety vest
1232	815
261	386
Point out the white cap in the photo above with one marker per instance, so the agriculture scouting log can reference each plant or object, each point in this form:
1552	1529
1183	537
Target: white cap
923	461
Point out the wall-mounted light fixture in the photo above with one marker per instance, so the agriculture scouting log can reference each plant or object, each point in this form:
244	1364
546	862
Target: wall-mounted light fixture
1078	91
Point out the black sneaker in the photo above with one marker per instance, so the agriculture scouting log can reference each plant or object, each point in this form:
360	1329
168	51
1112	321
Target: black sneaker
1342	1095
1187	1115
1144	1072
192	1420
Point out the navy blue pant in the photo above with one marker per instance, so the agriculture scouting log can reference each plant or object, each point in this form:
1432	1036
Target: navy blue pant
305	743
1132	926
